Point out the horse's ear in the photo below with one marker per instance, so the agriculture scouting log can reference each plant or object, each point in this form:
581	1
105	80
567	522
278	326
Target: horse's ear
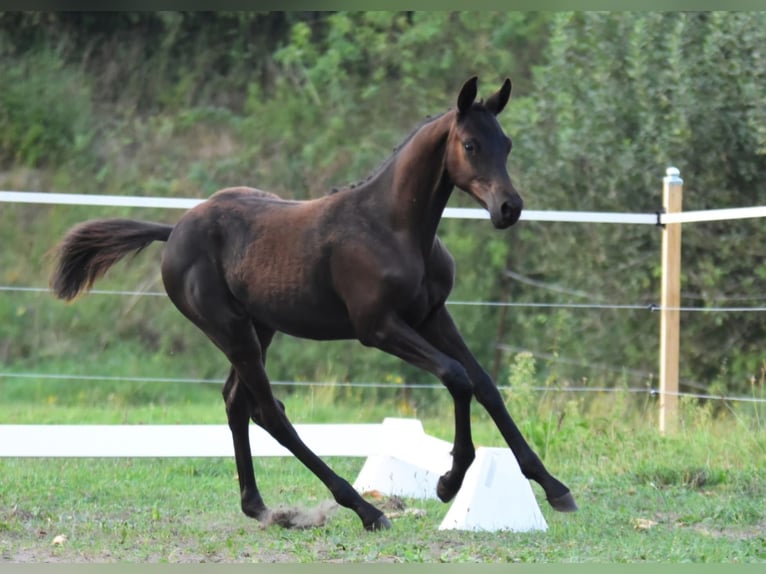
467	95
497	101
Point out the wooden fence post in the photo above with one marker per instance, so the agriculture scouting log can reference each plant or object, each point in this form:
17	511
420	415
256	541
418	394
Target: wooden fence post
672	195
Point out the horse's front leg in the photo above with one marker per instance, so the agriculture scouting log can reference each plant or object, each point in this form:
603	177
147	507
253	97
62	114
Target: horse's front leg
424	349
441	331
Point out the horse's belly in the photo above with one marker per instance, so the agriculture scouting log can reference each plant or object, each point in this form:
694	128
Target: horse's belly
319	331
307	319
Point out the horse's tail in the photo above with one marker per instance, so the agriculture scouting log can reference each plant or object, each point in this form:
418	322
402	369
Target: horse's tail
89	249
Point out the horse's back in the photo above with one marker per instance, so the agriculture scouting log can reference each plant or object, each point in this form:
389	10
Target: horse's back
244	192
284	260
269	254
223	224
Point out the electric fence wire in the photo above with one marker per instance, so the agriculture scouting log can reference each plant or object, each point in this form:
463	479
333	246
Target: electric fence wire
374	385
531	305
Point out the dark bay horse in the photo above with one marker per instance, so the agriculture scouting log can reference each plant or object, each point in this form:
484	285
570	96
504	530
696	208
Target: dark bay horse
362	263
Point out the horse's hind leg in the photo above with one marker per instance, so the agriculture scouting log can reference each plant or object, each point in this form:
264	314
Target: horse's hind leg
240	408
231	388
241	346
264	338
238	412
197	292
204	299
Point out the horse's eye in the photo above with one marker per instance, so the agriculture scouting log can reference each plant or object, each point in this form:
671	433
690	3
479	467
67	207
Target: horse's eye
469	147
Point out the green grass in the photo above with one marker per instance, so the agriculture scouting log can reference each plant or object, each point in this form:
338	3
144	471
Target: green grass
185	510
695	496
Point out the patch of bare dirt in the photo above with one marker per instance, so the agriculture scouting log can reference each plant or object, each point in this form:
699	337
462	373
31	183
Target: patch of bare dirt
300	517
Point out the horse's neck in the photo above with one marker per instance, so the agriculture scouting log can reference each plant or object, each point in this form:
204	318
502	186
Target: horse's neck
420	187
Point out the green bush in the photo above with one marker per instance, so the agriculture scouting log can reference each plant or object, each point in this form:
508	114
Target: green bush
45	111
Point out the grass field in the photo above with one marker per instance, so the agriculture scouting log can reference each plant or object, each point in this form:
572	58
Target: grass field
696	496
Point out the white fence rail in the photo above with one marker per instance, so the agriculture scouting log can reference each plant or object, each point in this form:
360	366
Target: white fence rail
390	437
669	218
657	218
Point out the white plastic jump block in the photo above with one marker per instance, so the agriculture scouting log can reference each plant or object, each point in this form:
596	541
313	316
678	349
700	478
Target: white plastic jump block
410	464
494	496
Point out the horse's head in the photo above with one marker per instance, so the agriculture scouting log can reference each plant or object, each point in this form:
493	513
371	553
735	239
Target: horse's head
477	152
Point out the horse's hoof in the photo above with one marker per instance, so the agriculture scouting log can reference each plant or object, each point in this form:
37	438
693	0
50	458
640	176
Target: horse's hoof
444	490
563	503
380	523
256	509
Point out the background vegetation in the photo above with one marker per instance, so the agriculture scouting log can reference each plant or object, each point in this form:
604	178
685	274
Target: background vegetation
182	104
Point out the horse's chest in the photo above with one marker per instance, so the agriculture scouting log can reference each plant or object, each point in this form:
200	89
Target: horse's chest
312	314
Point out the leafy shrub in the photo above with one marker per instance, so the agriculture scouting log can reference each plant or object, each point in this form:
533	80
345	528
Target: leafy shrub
45	111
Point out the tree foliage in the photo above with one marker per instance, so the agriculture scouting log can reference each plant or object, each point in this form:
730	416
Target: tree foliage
622	97
183	103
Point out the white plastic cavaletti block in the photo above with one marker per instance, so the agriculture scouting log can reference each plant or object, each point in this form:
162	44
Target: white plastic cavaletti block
410	462
495	496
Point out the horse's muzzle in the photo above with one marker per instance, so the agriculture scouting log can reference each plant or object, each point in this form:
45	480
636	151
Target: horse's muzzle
508	213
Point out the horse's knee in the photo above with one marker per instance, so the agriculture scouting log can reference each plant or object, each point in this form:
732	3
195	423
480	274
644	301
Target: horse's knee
455	378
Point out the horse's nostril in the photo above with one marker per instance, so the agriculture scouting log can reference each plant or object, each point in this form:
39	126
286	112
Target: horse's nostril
510	212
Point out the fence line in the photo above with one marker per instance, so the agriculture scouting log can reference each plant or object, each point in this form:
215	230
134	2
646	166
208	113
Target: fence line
187	203
714	215
657	218
523	279
518	277
375	385
670	218
392	437
22	289
623	371
532	305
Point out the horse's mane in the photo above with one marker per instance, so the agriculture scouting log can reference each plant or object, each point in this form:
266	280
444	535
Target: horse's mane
382	165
